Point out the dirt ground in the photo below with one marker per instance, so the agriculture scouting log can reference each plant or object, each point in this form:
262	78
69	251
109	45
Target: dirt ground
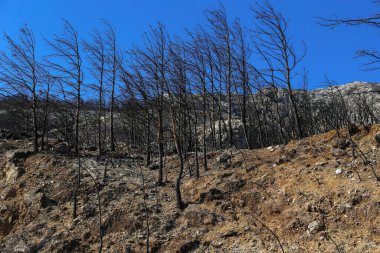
308	196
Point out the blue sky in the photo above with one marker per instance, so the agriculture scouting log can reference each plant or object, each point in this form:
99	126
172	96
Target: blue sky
329	52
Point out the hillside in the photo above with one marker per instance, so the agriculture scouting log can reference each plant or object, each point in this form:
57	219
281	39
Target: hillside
267	109
309	195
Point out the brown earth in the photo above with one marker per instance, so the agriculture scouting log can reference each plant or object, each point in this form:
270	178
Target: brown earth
307	196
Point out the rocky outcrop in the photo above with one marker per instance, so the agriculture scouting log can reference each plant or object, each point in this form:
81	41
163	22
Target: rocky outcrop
14	166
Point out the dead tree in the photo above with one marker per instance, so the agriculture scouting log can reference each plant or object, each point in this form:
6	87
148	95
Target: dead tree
211	78
223	40
153	60
97	57
62	110
198	68
113	59
66	63
275	43
19	71
136	86
177	91
49	85
240	58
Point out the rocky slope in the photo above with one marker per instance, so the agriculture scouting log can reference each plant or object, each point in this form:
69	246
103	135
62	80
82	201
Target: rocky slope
361	101
357	87
354	93
307	196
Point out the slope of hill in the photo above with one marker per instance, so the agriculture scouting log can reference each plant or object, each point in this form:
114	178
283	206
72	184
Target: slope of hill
307	196
368	91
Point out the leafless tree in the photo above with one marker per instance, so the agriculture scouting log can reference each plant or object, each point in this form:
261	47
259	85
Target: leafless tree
240	58
153	61
224	43
113	59
97	58
66	63
198	68
19	70
46	97
275	44
178	95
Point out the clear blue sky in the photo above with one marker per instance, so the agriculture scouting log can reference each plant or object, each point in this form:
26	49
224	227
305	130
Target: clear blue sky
330	52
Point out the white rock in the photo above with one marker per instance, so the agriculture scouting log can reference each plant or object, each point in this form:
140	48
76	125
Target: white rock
338	171
21	247
12	173
315	227
321	163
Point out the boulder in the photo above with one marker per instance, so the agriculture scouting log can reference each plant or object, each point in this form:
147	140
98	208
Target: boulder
341	143
190	246
45	201
212	194
223	158
89	210
315	227
337	152
377	138
251	168
13	172
14	166
291	153
282	159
